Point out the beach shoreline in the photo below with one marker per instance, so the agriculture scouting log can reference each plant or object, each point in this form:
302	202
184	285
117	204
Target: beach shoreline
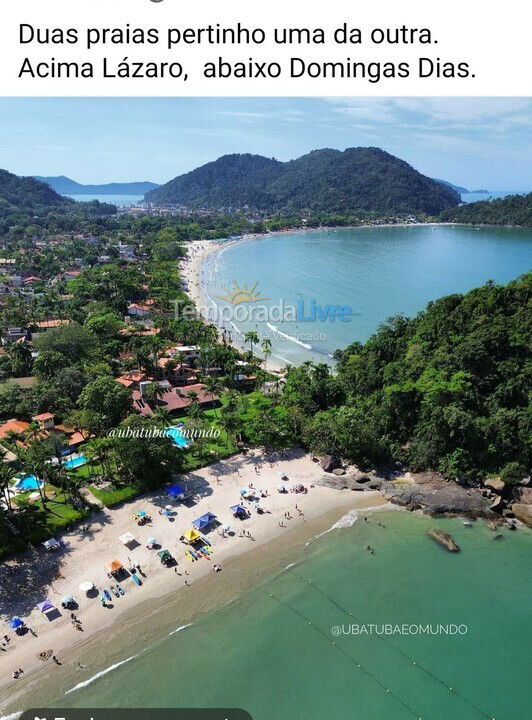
191	267
166	601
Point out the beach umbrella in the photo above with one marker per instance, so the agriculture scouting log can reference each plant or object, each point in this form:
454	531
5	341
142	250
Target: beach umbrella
226	528
166	512
67	599
282	474
15	623
244	492
281	488
86	586
45	606
114	566
168	507
152	541
140	514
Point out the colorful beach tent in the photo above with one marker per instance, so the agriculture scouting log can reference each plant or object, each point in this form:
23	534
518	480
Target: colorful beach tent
126	538
175	491
238	510
191	536
114	566
140	514
204	521
67	599
86	586
164	554
45	606
15	623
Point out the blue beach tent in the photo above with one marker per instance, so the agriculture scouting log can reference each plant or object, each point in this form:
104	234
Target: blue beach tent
175	491
204	521
238	510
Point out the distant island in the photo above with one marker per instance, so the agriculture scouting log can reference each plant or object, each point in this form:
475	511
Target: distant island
332	181
66	186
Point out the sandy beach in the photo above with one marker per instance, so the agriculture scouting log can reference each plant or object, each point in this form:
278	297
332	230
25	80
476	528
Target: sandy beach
168	597
190	268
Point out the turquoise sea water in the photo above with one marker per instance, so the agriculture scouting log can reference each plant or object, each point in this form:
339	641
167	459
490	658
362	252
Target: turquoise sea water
274	656
378	272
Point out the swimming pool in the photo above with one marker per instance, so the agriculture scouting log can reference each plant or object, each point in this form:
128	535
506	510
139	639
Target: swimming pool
76	462
177	436
27	483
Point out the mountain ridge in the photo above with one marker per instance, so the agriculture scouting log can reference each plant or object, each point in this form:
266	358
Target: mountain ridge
63	184
324	180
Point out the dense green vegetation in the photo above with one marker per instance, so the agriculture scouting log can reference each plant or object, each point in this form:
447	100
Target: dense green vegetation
448	390
510	210
332	181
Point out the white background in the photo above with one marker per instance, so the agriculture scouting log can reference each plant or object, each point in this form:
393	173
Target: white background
492	37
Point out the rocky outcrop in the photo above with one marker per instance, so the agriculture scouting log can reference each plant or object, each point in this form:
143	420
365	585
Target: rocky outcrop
434	495
444	539
341	482
523	512
495	484
525	495
329	463
339	471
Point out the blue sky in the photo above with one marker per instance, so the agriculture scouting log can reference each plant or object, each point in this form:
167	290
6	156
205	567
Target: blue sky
476	142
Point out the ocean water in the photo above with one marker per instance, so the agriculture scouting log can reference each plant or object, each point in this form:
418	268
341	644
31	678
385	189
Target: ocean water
112	199
377	272
272	652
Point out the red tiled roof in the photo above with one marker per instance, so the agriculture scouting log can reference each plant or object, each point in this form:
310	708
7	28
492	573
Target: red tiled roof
53	323
15	426
43	417
174	399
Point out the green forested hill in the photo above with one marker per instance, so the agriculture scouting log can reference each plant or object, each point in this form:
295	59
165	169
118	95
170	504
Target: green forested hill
25	194
447	390
510	210
326	180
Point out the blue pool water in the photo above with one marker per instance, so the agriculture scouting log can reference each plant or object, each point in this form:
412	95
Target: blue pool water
29	482
177	436
76	462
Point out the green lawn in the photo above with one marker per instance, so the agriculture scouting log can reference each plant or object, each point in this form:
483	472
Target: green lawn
115	495
60	515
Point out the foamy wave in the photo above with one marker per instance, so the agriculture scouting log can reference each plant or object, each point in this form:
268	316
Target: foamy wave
83	684
13	716
289	566
274	329
181	627
352	516
280	357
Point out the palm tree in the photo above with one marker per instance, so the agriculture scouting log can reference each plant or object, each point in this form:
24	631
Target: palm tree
213	386
194	410
266	346
252	337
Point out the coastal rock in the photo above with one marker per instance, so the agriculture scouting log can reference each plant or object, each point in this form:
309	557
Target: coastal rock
340	482
497	505
339	471
444	539
329	463
525	495
495	484
523	512
434	495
